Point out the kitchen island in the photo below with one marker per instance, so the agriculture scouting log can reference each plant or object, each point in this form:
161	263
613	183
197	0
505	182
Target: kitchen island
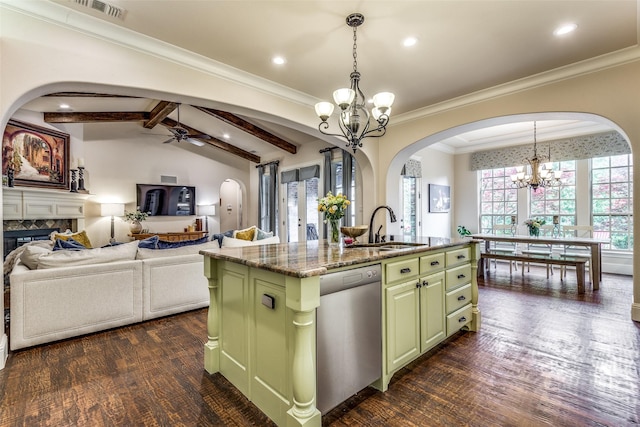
262	314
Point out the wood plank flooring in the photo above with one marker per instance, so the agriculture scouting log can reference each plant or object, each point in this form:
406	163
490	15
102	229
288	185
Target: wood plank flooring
545	356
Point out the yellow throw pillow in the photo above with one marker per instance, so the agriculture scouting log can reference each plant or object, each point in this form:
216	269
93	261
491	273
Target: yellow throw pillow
80	237
246	234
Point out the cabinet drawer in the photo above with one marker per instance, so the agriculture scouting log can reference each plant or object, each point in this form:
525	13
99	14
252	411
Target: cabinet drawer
402	270
431	263
458	276
458	298
458	256
458	319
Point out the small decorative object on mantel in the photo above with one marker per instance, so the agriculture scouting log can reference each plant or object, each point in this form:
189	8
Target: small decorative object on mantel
81	175
334	208
74	183
534	226
134	218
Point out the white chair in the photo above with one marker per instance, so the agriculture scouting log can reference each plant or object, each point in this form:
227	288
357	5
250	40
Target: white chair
503	247
540	248
577	251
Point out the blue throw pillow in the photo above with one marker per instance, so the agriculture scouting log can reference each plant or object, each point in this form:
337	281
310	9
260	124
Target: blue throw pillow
221	236
149	243
68	244
170	245
261	234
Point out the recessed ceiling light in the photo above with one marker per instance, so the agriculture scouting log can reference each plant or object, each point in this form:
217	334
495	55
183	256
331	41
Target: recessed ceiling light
409	41
64	106
564	29
278	60
226	136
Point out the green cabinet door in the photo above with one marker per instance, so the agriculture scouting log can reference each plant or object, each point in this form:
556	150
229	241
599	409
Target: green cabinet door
432	311
403	324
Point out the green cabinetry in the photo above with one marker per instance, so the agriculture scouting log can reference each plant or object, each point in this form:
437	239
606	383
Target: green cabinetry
426	299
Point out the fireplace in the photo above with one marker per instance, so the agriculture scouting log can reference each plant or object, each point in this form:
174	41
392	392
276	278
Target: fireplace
14	238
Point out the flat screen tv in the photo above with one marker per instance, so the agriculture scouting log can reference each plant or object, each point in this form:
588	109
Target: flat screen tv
172	200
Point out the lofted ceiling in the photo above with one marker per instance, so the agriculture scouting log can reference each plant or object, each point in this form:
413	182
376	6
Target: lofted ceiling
462	47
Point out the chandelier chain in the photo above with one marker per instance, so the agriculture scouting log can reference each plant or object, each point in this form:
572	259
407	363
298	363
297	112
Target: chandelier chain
355	49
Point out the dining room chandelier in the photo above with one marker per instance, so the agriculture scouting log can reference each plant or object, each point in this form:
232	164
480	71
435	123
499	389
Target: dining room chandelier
354	121
541	173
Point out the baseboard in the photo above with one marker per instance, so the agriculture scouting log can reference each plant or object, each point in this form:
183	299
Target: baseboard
4	350
635	312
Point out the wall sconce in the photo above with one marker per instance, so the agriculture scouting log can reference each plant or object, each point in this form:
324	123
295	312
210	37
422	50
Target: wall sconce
206	211
113	210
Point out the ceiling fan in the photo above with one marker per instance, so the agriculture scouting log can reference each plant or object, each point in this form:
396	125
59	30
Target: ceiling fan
182	134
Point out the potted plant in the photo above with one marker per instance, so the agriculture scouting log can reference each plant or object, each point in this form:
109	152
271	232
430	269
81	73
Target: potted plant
333	208
463	232
134	218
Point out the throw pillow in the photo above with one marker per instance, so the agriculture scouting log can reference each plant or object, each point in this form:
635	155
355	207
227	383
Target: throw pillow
170	245
70	244
80	237
246	234
261	234
32	254
149	242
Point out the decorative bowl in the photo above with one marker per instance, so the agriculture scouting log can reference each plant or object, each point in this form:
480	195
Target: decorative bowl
354	232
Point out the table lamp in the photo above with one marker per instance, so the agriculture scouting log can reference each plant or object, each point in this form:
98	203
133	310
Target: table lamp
206	211
113	210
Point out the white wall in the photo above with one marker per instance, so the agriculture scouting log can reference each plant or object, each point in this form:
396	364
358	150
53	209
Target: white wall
437	168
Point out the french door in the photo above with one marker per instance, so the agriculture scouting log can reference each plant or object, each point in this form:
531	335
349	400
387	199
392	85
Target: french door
302	218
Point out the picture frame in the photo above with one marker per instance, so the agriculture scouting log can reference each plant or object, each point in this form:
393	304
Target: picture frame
439	198
35	156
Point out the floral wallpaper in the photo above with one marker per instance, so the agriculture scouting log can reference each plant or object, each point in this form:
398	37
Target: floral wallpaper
581	147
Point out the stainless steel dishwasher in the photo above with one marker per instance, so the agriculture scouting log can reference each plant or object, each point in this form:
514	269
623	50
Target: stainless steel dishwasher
349	334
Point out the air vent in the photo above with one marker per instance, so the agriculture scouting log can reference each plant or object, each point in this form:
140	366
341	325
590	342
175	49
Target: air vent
103	7
167	179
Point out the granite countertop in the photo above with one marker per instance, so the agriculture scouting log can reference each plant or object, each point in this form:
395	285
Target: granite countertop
315	258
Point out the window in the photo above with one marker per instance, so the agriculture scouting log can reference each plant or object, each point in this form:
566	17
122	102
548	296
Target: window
498	200
549	201
612	200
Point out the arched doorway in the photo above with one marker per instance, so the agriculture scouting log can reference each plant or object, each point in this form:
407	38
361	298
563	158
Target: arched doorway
230	205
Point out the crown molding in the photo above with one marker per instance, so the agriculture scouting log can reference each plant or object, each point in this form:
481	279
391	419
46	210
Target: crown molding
86	24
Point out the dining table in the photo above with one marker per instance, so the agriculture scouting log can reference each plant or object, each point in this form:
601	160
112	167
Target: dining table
594	244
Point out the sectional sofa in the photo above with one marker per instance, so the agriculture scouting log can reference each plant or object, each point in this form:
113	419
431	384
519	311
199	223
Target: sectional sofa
62	294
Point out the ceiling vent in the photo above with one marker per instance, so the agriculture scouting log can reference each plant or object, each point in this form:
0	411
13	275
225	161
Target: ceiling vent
103	7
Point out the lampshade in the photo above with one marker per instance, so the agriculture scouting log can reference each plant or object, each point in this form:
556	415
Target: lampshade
383	99
324	110
205	210
112	209
344	97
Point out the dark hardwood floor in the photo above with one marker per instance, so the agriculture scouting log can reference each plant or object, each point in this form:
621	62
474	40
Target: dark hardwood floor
545	356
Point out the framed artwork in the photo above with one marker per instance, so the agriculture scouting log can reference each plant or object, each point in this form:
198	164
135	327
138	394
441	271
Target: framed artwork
36	156
439	198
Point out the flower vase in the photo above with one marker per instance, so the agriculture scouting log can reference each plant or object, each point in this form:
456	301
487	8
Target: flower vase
334	226
136	227
534	231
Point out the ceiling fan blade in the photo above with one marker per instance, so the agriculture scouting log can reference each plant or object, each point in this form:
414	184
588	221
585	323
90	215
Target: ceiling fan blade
195	142
169	140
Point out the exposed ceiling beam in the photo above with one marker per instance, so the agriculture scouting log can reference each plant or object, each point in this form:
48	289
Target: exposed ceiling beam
96	117
214	141
250	128
159	113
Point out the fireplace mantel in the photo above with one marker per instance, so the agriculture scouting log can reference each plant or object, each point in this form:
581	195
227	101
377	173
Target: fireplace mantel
20	203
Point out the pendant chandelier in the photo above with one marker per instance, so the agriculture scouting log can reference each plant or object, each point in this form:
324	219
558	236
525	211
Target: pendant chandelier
354	118
541	170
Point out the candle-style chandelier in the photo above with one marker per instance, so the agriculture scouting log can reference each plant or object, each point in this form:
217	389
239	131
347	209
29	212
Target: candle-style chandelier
541	170
354	117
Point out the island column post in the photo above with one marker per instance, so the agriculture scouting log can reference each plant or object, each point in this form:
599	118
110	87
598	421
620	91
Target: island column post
212	346
476	318
303	296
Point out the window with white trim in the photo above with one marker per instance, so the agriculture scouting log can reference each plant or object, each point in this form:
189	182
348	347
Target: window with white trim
612	200
546	202
498	199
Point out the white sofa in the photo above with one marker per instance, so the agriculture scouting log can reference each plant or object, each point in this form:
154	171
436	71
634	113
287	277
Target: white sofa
106	288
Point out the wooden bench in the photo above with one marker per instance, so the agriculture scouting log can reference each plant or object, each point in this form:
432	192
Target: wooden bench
576	261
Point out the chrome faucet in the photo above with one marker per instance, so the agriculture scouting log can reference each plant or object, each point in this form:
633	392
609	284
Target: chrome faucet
392	216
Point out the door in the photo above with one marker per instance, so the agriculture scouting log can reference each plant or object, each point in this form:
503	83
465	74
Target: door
302	218
230	205
432	315
403	324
